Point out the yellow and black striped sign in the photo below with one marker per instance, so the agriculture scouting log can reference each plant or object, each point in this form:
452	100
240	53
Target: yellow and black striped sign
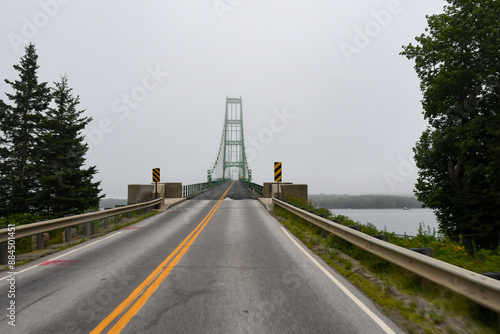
156	175
277	172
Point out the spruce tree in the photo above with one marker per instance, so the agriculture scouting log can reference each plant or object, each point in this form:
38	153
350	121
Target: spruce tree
18	136
66	187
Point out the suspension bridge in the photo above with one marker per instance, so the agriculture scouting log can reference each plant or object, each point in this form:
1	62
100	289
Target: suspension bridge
231	161
211	260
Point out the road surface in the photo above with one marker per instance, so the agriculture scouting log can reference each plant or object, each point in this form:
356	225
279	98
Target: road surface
218	263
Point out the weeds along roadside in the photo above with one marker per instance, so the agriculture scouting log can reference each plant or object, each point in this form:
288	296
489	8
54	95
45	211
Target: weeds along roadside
415	304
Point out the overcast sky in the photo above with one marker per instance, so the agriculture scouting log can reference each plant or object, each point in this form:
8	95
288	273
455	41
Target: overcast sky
324	88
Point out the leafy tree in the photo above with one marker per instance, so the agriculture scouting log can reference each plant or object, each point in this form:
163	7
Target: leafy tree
458	63
66	187
18	135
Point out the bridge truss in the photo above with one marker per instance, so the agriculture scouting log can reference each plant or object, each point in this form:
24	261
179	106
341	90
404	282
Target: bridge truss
231	161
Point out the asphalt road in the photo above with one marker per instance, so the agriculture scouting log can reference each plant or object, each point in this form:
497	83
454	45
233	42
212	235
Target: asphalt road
203	266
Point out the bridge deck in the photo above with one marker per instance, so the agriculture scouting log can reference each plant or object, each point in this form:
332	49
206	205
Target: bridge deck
242	273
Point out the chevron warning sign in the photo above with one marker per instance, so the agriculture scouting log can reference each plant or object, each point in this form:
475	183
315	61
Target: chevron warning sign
277	172
156	175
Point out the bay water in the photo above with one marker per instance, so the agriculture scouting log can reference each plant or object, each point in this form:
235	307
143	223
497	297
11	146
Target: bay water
398	221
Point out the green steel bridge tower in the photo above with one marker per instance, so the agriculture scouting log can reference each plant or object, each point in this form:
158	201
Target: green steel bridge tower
231	161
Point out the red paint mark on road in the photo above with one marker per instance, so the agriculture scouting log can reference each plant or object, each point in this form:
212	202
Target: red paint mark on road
58	262
131	228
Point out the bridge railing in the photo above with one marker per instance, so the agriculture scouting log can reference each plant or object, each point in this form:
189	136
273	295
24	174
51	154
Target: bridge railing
476	287
190	190
253	186
38	228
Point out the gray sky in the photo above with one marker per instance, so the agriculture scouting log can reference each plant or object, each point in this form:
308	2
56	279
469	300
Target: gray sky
324	88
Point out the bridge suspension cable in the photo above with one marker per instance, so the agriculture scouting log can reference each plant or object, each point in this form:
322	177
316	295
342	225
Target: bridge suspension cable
231	161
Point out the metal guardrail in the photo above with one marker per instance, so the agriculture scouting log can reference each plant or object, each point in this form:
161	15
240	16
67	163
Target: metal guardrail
193	189
476	287
38	228
253	186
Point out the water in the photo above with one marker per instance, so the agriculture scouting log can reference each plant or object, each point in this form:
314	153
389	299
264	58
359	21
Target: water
398	221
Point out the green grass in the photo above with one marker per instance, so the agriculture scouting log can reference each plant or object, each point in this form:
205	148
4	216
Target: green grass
446	304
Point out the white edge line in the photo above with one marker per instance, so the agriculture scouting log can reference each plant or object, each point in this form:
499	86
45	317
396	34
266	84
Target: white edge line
60	256
358	302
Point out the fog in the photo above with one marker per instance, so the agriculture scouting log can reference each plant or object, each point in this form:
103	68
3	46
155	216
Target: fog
324	88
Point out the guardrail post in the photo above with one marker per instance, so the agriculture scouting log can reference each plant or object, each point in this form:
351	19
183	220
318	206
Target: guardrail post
67	234
3	253
117	219
127	214
425	284
88	229
495	275
39	241
424	251
105	222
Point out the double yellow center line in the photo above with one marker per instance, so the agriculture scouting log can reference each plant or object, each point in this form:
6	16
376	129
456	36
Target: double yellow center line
133	303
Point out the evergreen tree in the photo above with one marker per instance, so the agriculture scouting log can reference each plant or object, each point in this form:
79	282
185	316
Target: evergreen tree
457	61
4	151
18	136
66	186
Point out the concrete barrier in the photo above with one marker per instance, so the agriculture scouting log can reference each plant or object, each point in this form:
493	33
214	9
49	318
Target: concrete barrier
172	190
143	192
140	192
285	190
295	191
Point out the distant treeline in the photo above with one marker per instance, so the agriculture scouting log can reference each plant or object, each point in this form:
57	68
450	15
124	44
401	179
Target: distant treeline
364	201
111	202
